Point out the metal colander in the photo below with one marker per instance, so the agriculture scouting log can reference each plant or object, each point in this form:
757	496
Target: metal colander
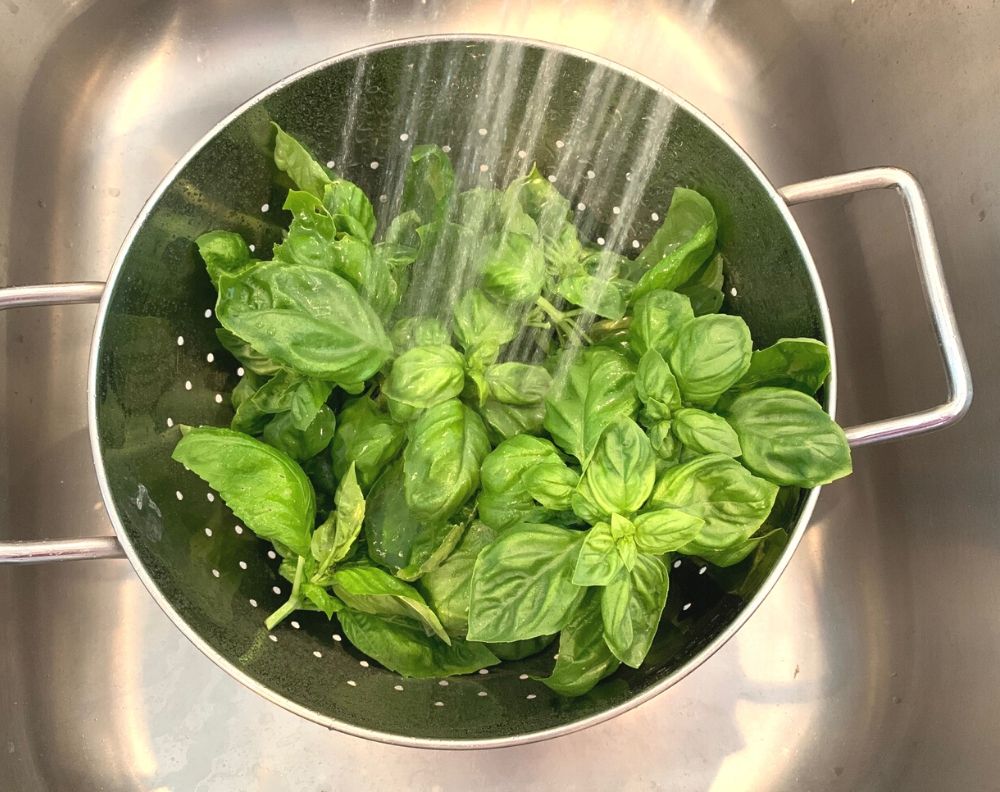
612	142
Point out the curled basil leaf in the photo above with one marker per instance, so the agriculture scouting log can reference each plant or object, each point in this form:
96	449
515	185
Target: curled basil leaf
710	355
518	383
622	472
584	657
802	364
365	437
657	387
600	297
425	376
657	319
552	484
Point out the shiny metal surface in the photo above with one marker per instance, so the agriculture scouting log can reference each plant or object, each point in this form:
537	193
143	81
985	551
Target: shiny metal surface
936	292
870	666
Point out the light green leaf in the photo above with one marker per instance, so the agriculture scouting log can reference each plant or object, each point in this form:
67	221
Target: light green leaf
425	376
710	355
631	606
657	319
301	444
802	364
666	530
584	657
448	587
483	326
622	472
365	437
415	331
601	297
223	253
513	269
706	433
598	561
656	386
429	183
294	159
552	484
505	500
518	383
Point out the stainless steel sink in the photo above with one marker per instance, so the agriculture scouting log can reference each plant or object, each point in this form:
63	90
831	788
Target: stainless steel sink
872	665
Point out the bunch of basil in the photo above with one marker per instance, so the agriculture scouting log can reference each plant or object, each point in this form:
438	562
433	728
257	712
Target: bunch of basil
480	433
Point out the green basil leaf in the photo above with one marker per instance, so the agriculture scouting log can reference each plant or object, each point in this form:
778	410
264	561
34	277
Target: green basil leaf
598	561
448	587
657	319
543	203
333	540
710	355
518	650
663	442
510	420
286	392
705	432
415	331
596	389
802	364
441	463
294	159
341	197
402	231
408	651
732	502
584	657
482	326
631	606
552	484
301	444
425	376
666	530
601	297
390	526
513	269
371	590
622	472
585	505
251	360
367	438
518	383
522	584
306	318
264	487
788	438
680	245
733	555
431	547
505	500
224	253
320	598
705	288
656	386
429	183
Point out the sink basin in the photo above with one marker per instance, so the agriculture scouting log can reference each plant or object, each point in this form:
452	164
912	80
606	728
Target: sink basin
867	667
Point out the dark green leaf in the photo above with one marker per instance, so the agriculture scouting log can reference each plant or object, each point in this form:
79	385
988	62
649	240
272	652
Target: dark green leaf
332	541
390	526
710	355
224	253
301	444
366	437
788	438
264	487
631	606
522	584
430	548
518	650
252	360
509	420
584	657
448	586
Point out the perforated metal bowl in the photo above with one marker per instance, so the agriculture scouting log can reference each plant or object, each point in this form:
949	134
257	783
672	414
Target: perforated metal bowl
612	141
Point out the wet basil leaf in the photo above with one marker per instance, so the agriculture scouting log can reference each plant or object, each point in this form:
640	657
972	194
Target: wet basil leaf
441	463
505	500
522	584
518	650
306	318
552	484
264	488
657	319
429	183
301	444
584	657
302	168
390	526
341	197
513	269
510	420
622	472
415	331
788	438
320	599
666	530
631	606
365	437
224	253
656	387
601	297
518	383
430	548
680	245
732	501
482	326
598	561
369	589
425	376
705	432
448	587
710	355
252	360
407	650
332	541
802	364
597	388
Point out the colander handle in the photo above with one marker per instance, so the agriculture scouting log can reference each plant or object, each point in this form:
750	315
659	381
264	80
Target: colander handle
935	290
44	550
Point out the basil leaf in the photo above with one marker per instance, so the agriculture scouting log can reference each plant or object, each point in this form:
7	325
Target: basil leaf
705	288
657	318
264	488
224	253
341	197
482	326
666	530
788	438
664	443
597	389
390	526
402	231
656	386
734	555
320	598
513	269
306	318
631	606
285	392
584	657
601	297
415	331
370	590
522	586
425	376
802	364
585	505
510	420
623	532
552	484
732	502
505	500
332	541
518	650
706	433
294	159
518	383
598	562
680	245
301	444
448	587
430	548
252	361
405	649
365	437
710	355
441	463
429	183
622	473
